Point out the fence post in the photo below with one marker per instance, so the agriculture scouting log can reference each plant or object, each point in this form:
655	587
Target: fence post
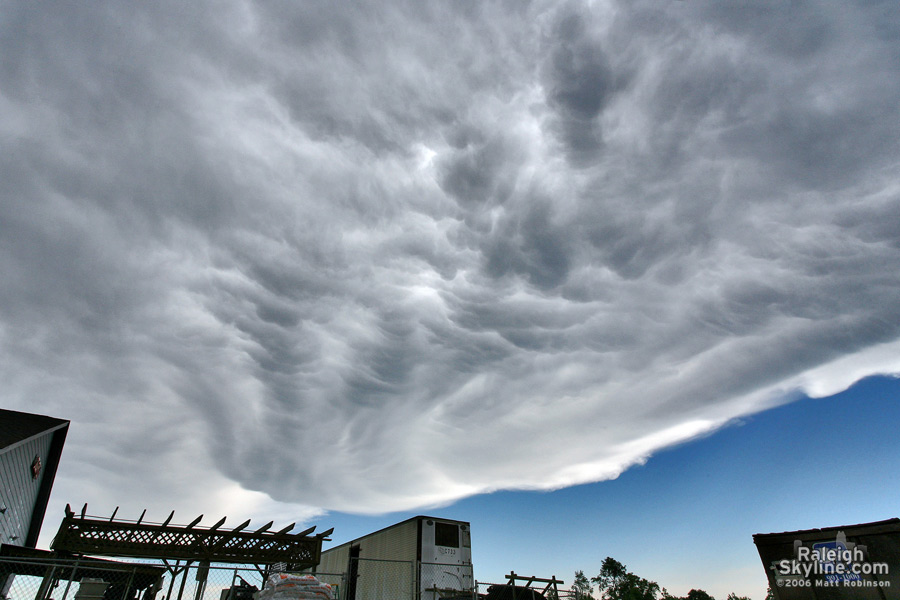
202	576
174	573
69	583
126	595
46	582
187	566
231	588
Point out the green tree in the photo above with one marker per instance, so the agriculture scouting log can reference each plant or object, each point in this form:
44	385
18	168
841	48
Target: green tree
611	576
582	587
698	595
733	596
617	583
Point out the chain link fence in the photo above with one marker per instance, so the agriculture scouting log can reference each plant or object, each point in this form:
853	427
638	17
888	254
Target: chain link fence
41	579
373	579
91	579
56	579
446	582
367	579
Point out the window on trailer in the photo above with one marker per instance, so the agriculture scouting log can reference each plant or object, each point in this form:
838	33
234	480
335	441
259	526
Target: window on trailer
446	534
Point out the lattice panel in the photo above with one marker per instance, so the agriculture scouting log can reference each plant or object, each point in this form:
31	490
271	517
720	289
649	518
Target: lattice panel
84	535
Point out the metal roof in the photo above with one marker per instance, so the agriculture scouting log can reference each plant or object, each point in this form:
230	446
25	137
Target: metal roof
18	426
887	525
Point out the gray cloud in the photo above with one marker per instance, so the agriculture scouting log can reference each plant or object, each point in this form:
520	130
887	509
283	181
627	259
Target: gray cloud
579	82
308	256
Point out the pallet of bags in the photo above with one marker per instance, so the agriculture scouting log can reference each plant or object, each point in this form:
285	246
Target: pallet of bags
285	586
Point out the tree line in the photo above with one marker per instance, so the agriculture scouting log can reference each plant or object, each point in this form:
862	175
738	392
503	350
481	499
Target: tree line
615	582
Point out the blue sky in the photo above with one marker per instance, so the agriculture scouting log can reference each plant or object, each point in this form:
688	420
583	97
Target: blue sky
685	518
292	260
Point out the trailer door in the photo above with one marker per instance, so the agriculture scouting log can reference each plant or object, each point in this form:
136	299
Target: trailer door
446	565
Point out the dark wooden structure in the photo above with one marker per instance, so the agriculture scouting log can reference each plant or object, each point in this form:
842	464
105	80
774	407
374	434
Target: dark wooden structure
513	591
80	535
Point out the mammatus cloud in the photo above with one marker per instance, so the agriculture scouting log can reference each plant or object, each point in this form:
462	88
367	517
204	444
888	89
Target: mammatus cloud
279	254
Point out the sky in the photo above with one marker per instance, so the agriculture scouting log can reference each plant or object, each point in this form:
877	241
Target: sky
340	263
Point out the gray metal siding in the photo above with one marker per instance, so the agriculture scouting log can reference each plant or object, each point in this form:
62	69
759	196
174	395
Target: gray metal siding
398	542
18	491
334	560
393	562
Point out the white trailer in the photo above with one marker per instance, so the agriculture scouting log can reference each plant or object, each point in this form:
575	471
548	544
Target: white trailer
423	558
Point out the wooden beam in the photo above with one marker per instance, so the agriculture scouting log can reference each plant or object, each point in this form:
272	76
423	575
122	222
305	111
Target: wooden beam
241	526
194	522
286	529
264	527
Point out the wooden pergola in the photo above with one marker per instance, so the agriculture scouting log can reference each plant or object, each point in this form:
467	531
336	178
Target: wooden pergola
83	535
80	534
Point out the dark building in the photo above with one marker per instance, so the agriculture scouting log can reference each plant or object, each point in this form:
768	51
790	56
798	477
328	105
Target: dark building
833	563
30	448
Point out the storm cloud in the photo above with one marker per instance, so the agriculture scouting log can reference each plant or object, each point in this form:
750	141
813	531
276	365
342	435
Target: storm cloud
314	256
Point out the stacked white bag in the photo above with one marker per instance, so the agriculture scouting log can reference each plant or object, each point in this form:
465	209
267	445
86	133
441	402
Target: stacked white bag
284	586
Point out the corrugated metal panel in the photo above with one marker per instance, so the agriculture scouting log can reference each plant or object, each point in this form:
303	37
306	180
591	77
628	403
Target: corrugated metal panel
389	561
395	543
334	560
19	491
